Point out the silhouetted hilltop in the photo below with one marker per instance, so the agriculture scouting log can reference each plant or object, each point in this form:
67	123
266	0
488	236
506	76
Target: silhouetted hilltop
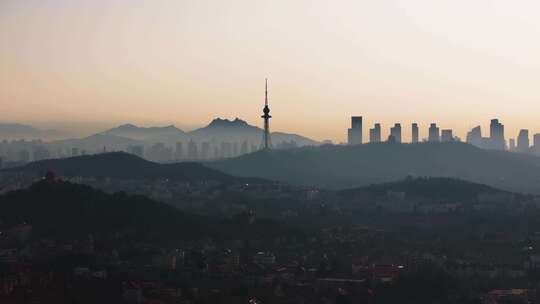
353	166
239	130
65	210
141	133
433	188
225	123
124	166
61	209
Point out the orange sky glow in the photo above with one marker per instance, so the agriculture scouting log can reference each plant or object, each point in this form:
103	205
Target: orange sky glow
458	63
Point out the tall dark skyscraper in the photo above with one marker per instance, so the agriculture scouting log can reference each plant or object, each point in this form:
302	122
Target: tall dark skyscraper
395	132
474	137
267	143
375	134
354	133
433	133
414	135
523	141
536	143
496	135
193	151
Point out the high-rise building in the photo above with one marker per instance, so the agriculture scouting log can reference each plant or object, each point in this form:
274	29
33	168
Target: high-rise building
235	149
536	144
474	137
512	145
496	135
433	133
375	134
179	151
354	133
523	141
23	156
193	152
205	150
446	135
159	152
414	135
40	153
244	148
226	149
395	132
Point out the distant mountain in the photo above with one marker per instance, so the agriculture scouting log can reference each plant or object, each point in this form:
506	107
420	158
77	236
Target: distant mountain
219	139
341	167
238	130
145	134
124	166
19	131
432	188
216	132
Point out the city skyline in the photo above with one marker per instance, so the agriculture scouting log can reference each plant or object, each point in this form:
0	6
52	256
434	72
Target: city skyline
88	63
393	155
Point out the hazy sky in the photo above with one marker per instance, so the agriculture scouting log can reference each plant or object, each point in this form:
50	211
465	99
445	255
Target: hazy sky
458	63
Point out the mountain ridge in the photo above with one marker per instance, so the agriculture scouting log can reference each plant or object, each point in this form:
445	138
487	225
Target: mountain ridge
125	166
27	132
339	167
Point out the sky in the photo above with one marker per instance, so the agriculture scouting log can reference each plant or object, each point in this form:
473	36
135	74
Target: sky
95	63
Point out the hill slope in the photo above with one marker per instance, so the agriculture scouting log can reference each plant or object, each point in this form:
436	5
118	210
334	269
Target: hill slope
124	166
65	210
341	167
433	188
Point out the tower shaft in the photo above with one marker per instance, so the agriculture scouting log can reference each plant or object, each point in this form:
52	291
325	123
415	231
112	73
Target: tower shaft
266	144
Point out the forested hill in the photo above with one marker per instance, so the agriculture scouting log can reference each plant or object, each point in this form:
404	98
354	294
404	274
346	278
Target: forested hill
342	167
124	166
432	188
61	209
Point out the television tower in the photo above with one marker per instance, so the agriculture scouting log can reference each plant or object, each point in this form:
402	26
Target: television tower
267	143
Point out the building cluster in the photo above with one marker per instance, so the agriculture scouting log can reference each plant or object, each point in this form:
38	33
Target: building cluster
193	150
354	133
495	141
334	264
17	152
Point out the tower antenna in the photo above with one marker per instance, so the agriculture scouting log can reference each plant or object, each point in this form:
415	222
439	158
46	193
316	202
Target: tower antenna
266	91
